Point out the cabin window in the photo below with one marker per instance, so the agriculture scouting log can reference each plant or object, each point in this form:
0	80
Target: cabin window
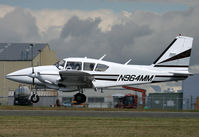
73	65
89	66
101	67
60	64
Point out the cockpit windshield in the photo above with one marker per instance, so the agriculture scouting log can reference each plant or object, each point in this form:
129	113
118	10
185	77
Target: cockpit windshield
73	65
60	65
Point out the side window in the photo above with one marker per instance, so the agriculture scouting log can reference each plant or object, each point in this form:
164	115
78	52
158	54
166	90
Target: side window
89	66
73	65
101	67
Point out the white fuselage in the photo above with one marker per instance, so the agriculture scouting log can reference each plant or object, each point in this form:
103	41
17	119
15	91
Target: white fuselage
115	74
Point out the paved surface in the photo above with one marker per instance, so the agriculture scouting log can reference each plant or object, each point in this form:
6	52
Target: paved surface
97	113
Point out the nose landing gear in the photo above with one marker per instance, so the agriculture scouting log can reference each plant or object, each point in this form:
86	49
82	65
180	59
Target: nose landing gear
34	98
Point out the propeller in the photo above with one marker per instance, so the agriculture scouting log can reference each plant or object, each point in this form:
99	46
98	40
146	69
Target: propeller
33	72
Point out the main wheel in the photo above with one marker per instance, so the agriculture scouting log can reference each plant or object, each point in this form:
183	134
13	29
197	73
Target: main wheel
80	98
34	98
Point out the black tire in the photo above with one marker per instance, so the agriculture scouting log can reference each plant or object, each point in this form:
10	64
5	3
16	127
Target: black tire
80	98
34	98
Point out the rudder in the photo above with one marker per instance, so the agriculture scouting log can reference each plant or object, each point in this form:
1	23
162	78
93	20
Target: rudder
177	54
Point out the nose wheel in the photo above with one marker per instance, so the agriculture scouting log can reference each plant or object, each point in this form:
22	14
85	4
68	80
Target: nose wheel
34	98
80	98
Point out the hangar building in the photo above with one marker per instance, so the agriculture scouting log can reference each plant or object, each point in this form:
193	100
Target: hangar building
15	56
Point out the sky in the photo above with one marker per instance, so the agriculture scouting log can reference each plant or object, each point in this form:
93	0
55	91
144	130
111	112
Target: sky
89	5
122	29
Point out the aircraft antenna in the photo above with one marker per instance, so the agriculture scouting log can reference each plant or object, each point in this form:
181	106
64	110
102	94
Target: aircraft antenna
127	62
102	57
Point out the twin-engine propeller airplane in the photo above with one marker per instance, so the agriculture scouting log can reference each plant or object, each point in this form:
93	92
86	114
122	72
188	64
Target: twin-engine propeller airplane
76	74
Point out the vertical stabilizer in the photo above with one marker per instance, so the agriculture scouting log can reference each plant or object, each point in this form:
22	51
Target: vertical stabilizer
177	54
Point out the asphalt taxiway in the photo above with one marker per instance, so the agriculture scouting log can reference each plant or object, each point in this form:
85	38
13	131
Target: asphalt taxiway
98	113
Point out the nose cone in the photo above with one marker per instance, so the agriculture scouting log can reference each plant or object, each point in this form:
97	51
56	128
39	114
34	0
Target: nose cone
20	75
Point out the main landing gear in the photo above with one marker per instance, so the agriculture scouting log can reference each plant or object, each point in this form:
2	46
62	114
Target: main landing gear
80	98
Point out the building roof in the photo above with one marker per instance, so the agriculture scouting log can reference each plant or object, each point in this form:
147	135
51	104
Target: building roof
19	51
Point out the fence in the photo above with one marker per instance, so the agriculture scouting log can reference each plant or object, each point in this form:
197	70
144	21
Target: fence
157	103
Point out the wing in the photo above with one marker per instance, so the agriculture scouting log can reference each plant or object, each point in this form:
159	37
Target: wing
76	78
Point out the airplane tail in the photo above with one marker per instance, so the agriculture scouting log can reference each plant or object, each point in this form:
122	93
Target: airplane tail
177	55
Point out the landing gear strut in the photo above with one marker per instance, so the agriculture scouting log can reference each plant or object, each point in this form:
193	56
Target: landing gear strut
80	98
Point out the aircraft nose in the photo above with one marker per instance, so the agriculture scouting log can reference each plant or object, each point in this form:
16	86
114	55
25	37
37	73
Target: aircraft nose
19	75
10	76
15	76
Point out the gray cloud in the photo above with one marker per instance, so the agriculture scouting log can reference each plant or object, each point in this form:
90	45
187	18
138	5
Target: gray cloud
18	26
76	27
142	36
166	27
84	38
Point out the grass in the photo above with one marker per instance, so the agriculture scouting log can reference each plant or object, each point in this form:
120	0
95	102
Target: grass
40	126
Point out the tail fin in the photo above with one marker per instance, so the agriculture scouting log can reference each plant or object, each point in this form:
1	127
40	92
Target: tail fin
177	54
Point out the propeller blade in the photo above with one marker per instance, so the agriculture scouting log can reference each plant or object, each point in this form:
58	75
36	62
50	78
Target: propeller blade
33	81
33	78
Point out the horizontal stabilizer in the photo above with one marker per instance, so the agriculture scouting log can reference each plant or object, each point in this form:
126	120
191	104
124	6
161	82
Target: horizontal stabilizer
182	73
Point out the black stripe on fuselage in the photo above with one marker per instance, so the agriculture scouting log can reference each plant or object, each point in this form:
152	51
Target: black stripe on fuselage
172	78
164	51
167	76
172	66
158	81
49	74
106	75
106	79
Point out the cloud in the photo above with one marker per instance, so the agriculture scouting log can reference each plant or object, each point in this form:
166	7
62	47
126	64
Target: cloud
50	22
18	25
4	9
76	27
84	38
51	18
165	27
139	35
